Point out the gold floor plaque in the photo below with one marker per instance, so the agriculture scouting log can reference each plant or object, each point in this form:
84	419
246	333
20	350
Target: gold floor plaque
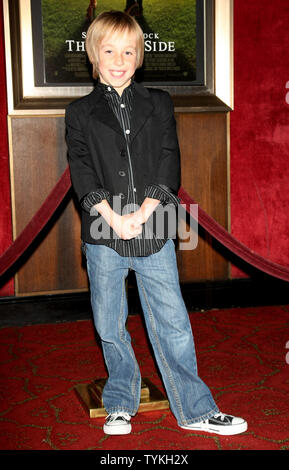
91	397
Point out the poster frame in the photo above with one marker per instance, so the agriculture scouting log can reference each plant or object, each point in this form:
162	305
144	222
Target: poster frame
215	94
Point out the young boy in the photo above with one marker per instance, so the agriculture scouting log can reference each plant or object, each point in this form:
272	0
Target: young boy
124	162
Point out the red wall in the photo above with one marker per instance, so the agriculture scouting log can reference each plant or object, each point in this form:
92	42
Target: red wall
260	129
259	134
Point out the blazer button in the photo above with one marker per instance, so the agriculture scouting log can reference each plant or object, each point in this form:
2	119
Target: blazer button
121	195
123	153
121	173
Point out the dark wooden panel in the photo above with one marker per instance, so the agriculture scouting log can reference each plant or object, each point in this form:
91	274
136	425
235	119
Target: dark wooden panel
203	144
39	157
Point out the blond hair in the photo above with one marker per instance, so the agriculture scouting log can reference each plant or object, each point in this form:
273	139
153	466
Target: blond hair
111	22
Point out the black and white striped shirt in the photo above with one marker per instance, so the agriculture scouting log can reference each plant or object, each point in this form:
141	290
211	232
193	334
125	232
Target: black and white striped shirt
139	246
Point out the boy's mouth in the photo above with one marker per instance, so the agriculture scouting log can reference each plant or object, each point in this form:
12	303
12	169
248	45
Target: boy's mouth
117	73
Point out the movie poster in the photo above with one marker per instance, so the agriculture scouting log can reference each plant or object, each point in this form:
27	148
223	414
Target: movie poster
173	34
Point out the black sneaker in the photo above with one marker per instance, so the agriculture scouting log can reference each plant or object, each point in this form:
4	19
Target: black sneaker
117	423
220	423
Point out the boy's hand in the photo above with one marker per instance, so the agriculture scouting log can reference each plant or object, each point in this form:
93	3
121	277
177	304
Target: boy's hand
126	226
145	211
130	225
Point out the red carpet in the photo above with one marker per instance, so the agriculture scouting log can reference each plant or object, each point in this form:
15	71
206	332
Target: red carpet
241	355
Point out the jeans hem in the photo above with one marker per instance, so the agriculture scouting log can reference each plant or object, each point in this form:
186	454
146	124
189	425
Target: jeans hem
121	409
201	418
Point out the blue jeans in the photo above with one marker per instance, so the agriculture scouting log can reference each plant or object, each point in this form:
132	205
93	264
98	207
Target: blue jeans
168	327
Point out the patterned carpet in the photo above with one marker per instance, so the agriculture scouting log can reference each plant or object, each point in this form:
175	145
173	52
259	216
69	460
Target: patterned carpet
241	356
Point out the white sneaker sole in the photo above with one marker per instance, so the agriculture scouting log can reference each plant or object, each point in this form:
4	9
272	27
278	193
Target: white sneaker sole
223	431
114	430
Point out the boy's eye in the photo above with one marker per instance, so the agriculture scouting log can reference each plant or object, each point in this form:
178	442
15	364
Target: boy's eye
108	51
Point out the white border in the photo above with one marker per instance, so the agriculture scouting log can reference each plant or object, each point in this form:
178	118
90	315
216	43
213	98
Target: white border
224	52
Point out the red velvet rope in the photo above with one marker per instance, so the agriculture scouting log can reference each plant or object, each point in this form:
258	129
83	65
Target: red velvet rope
52	202
37	223
236	247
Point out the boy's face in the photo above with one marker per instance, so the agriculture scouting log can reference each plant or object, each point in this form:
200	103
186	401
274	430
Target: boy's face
117	59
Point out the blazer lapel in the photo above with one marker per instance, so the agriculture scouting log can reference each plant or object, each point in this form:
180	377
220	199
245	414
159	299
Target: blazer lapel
142	109
102	112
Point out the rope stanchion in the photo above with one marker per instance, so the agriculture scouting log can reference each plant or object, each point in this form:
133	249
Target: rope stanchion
37	223
56	196
227	240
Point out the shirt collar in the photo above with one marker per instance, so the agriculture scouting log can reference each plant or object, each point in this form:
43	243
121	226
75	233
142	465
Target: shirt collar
108	89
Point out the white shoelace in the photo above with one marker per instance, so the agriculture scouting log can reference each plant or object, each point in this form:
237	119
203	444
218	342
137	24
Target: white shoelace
220	415
113	416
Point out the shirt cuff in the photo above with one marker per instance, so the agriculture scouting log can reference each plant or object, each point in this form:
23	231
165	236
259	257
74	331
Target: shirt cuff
95	197
163	193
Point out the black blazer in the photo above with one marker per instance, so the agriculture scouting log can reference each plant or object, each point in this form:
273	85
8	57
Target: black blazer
97	146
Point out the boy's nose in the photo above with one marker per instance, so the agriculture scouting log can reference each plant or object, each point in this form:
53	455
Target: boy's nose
118	59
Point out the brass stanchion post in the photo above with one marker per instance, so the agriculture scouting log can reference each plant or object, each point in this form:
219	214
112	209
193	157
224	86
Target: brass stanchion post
152	398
